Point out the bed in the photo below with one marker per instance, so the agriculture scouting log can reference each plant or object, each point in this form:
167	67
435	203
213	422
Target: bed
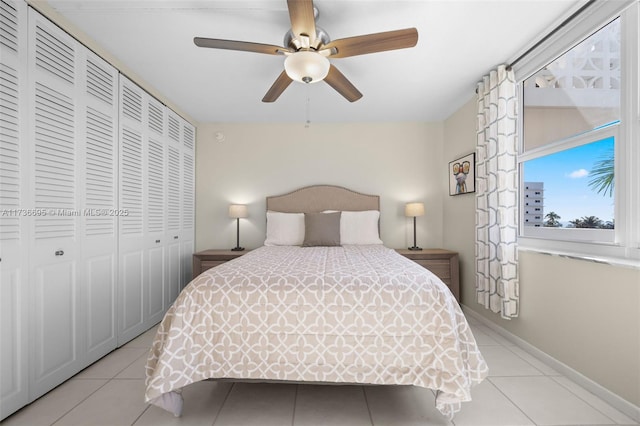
312	309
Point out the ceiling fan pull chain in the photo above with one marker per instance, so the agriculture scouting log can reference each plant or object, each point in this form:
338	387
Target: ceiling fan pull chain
308	108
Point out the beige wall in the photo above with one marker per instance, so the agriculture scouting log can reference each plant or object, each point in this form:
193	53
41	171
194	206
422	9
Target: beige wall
459	223
401	162
584	314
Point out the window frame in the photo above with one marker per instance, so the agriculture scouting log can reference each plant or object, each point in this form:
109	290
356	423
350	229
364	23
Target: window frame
624	247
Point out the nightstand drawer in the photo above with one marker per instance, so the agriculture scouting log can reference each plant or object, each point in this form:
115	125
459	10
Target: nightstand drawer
208	259
442	268
208	264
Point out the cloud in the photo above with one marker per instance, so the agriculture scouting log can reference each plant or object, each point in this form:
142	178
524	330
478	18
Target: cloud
577	174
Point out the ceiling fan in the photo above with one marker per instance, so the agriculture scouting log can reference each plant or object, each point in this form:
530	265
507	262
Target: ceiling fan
307	48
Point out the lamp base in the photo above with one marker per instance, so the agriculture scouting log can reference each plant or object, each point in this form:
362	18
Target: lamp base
237	249
415	248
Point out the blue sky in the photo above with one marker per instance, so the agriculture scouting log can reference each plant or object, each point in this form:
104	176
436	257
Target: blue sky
566	182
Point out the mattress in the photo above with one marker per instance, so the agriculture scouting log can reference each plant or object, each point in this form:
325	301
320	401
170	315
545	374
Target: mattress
351	314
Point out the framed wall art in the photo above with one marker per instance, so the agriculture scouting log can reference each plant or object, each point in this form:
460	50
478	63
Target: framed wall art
462	175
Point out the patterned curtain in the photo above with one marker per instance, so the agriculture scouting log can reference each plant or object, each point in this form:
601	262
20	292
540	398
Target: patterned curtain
497	194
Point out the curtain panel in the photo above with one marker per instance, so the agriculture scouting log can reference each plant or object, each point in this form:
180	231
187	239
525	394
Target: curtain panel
497	194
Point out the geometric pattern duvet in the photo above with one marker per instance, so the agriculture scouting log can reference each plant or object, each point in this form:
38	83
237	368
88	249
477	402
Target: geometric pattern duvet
350	314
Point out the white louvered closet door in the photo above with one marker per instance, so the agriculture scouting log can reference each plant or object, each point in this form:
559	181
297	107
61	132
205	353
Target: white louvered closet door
100	213
13	227
187	233
55	129
155	135
132	277
173	205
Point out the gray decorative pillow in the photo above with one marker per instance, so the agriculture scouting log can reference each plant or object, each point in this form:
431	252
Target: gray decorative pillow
321	229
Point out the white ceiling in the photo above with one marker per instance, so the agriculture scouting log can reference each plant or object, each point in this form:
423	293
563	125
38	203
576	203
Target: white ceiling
458	42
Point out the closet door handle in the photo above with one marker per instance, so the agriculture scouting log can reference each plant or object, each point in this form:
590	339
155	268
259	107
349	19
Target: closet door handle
59	253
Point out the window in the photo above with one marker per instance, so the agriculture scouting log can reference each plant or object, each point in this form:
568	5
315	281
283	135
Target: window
579	145
568	188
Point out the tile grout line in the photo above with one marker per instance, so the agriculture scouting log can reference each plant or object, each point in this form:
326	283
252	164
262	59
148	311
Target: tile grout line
80	402
141	414
215	419
295	402
585	401
366	401
510	400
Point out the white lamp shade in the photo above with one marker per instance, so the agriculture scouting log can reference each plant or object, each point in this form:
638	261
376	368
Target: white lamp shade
238	210
414	209
306	67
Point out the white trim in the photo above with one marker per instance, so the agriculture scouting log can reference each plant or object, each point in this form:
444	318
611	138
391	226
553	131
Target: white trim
595	388
599	253
627	174
589	136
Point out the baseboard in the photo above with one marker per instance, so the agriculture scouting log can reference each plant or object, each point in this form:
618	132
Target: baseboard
600	391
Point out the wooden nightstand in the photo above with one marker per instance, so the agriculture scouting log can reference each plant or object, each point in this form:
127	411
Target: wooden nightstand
443	263
207	259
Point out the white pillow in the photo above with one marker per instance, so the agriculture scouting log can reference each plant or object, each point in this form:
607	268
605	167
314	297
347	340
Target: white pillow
360	227
284	229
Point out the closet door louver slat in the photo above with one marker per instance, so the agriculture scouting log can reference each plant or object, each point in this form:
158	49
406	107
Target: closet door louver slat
131	181
10	152
173	190
10	22
55	160
187	192
155	222
100	165
54	55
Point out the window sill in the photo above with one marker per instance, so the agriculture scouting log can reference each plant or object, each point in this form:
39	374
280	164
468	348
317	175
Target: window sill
609	254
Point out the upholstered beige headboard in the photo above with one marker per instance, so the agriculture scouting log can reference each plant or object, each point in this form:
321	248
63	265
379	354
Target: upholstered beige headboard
319	198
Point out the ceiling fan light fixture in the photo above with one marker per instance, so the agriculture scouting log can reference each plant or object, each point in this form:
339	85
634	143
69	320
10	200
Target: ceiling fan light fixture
306	66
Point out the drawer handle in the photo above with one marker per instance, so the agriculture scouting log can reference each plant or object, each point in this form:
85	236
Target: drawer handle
157	241
175	237
59	253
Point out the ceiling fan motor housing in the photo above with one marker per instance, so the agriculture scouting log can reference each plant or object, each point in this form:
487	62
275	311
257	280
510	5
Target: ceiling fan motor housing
322	38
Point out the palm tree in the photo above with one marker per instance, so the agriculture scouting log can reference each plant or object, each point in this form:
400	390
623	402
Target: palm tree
587	222
603	173
552	220
608	225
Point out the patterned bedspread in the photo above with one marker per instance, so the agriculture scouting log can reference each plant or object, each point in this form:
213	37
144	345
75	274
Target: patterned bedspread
351	314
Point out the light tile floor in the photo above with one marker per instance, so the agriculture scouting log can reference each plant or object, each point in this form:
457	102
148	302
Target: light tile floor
520	390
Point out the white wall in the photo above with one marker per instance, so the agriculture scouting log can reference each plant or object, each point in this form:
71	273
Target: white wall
584	314
401	162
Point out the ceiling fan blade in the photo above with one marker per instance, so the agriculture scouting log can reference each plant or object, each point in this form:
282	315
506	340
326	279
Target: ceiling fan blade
339	82
282	82
244	46
303	21
372	43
